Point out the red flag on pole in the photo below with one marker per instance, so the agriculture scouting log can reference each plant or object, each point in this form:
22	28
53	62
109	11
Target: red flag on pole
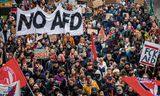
112	94
93	48
143	87
102	35
11	72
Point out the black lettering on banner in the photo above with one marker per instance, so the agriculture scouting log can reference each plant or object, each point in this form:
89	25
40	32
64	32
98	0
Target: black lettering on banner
65	20
55	22
154	53
43	20
154	57
148	50
145	58
24	19
72	27
153	60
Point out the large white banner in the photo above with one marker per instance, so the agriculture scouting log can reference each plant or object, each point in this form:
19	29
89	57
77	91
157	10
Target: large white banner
150	54
60	21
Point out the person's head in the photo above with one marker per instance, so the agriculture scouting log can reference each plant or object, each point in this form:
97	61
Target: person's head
10	55
10	38
119	90
116	72
109	56
73	71
101	59
130	89
89	80
110	79
35	87
101	93
27	75
109	71
39	82
82	77
55	65
72	51
25	66
61	71
52	51
37	72
71	82
77	64
89	66
145	75
67	34
82	40
129	28
127	66
31	81
38	94
127	40
98	74
37	64
140	68
133	49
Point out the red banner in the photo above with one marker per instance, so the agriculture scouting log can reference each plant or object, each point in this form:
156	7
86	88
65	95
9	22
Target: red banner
143	87
93	48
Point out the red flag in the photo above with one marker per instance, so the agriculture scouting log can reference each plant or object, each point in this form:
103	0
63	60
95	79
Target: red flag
102	35
11	72
93	48
112	94
143	87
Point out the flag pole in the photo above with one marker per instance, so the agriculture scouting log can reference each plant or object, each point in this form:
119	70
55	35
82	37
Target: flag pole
30	89
146	69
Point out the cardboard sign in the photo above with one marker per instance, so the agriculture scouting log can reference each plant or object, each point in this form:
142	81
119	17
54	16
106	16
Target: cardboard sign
150	54
97	3
110	1
40	54
141	2
90	31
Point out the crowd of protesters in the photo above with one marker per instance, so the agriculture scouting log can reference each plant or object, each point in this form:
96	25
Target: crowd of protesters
69	69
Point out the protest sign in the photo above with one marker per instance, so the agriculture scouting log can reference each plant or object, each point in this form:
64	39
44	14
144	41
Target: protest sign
110	1
40	53
141	2
97	3
60	21
90	31
150	54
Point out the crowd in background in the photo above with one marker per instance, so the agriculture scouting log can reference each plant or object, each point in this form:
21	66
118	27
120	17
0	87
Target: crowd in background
69	69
